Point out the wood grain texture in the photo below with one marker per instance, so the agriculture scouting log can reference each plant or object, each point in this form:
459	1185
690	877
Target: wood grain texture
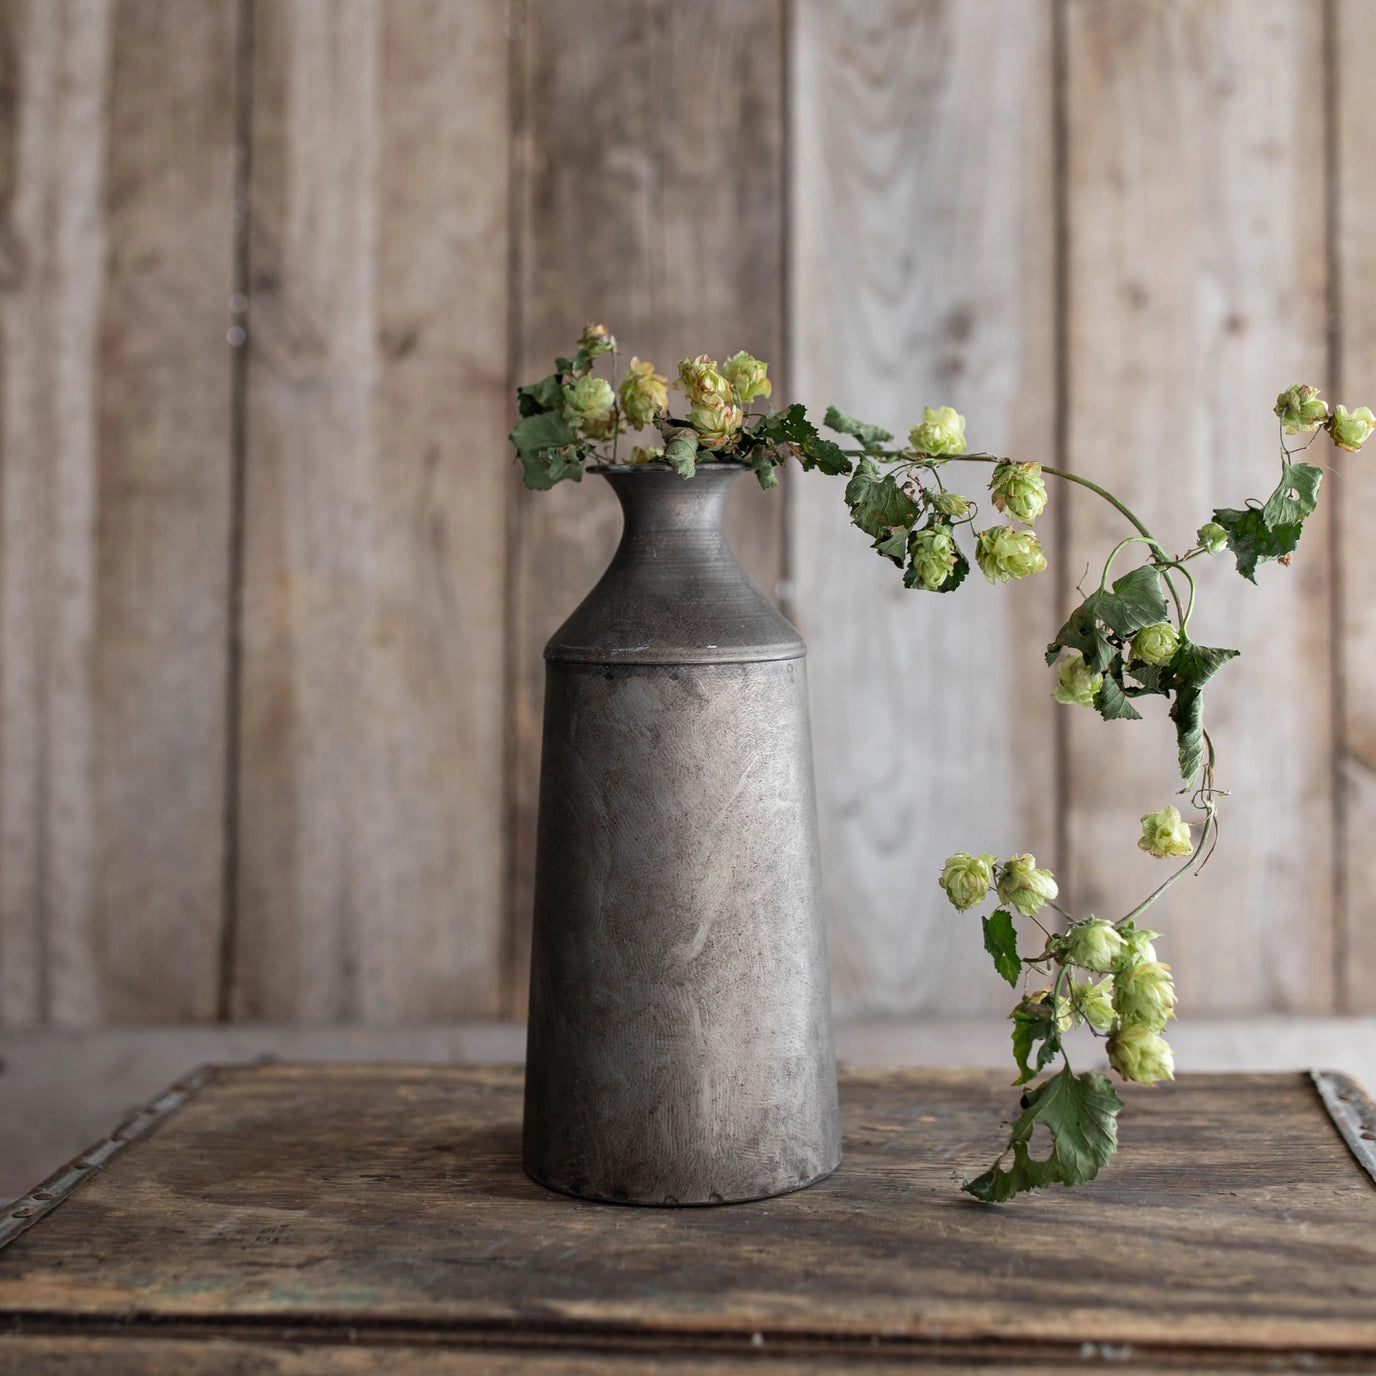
650	197
1196	293
387	1203
370	794
114	506
1351	492
923	276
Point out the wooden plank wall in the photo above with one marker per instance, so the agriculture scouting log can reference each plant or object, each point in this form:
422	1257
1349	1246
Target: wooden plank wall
272	600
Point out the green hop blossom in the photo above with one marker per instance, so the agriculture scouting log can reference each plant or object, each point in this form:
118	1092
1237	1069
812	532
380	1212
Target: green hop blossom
589	404
1026	887
1164	835
704	385
1350	428
717	423
1019	490
646	453
1094	1003
951	504
942	432
1075	685
1137	1053
597	340
1212	537
933	554
1301	408
747	377
1155	644
967	878
1144	995
644	393
1003	553
1094	945
1139	943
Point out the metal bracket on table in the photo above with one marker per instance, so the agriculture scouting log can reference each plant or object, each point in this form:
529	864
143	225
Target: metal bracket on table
1353	1114
27	1210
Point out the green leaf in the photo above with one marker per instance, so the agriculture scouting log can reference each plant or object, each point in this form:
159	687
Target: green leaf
1153	678
761	460
681	451
1081	1114
545	395
1252	541
1136	601
876	501
542	468
1295	497
1001	941
793	428
1033	1022
894	545
1194	665
542	430
1187	712
871	436
1081	632
1112	703
579	363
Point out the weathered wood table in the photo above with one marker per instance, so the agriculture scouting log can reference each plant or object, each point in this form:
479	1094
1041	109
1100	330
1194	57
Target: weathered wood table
282	1220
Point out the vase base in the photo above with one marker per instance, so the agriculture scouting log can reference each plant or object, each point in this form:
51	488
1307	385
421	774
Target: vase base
713	1199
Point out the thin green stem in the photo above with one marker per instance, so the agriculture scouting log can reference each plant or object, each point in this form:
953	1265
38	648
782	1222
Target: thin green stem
1170	879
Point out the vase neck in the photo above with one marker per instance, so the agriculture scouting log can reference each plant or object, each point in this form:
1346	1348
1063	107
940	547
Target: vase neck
674	592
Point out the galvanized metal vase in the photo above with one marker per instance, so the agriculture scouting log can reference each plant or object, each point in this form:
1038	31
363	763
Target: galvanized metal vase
680	1046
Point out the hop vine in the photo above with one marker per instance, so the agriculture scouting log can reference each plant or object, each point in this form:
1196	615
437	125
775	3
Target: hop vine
1128	640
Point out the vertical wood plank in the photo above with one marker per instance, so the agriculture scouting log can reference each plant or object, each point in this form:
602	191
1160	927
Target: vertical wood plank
924	271
1351	493
370	795
1197	292
650	143
117	238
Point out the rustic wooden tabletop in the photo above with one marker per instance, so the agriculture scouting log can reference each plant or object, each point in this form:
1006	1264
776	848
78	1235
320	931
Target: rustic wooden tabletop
292	1219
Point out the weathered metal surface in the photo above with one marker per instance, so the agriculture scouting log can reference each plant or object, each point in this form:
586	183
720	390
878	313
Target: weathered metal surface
1353	1114
24	1212
680	1046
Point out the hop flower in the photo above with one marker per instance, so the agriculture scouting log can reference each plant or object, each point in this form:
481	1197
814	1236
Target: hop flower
1003	553
1019	490
597	339
644	392
1075	685
1026	887
1137	1053
951	504
942	432
1094	1003
1350	428
1212	537
1155	644
717	423
1138	944
645	453
967	878
1300	409
1164	835
1094	945
589	403
747	377
933	554
700	380
1144	995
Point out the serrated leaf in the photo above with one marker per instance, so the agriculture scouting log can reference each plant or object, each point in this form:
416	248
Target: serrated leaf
876	501
545	395
869	435
579	363
1001	941
1081	1114
1153	678
542	468
543	430
1112	704
1252	541
1033	1022
792	427
681	451
1136	601
1081	632
1187	712
1296	496
765	470
1194	665
893	545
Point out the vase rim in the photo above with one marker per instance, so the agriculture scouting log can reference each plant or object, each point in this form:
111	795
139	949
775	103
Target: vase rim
659	466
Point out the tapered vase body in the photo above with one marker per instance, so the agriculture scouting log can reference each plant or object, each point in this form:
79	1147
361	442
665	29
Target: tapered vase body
680	1046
